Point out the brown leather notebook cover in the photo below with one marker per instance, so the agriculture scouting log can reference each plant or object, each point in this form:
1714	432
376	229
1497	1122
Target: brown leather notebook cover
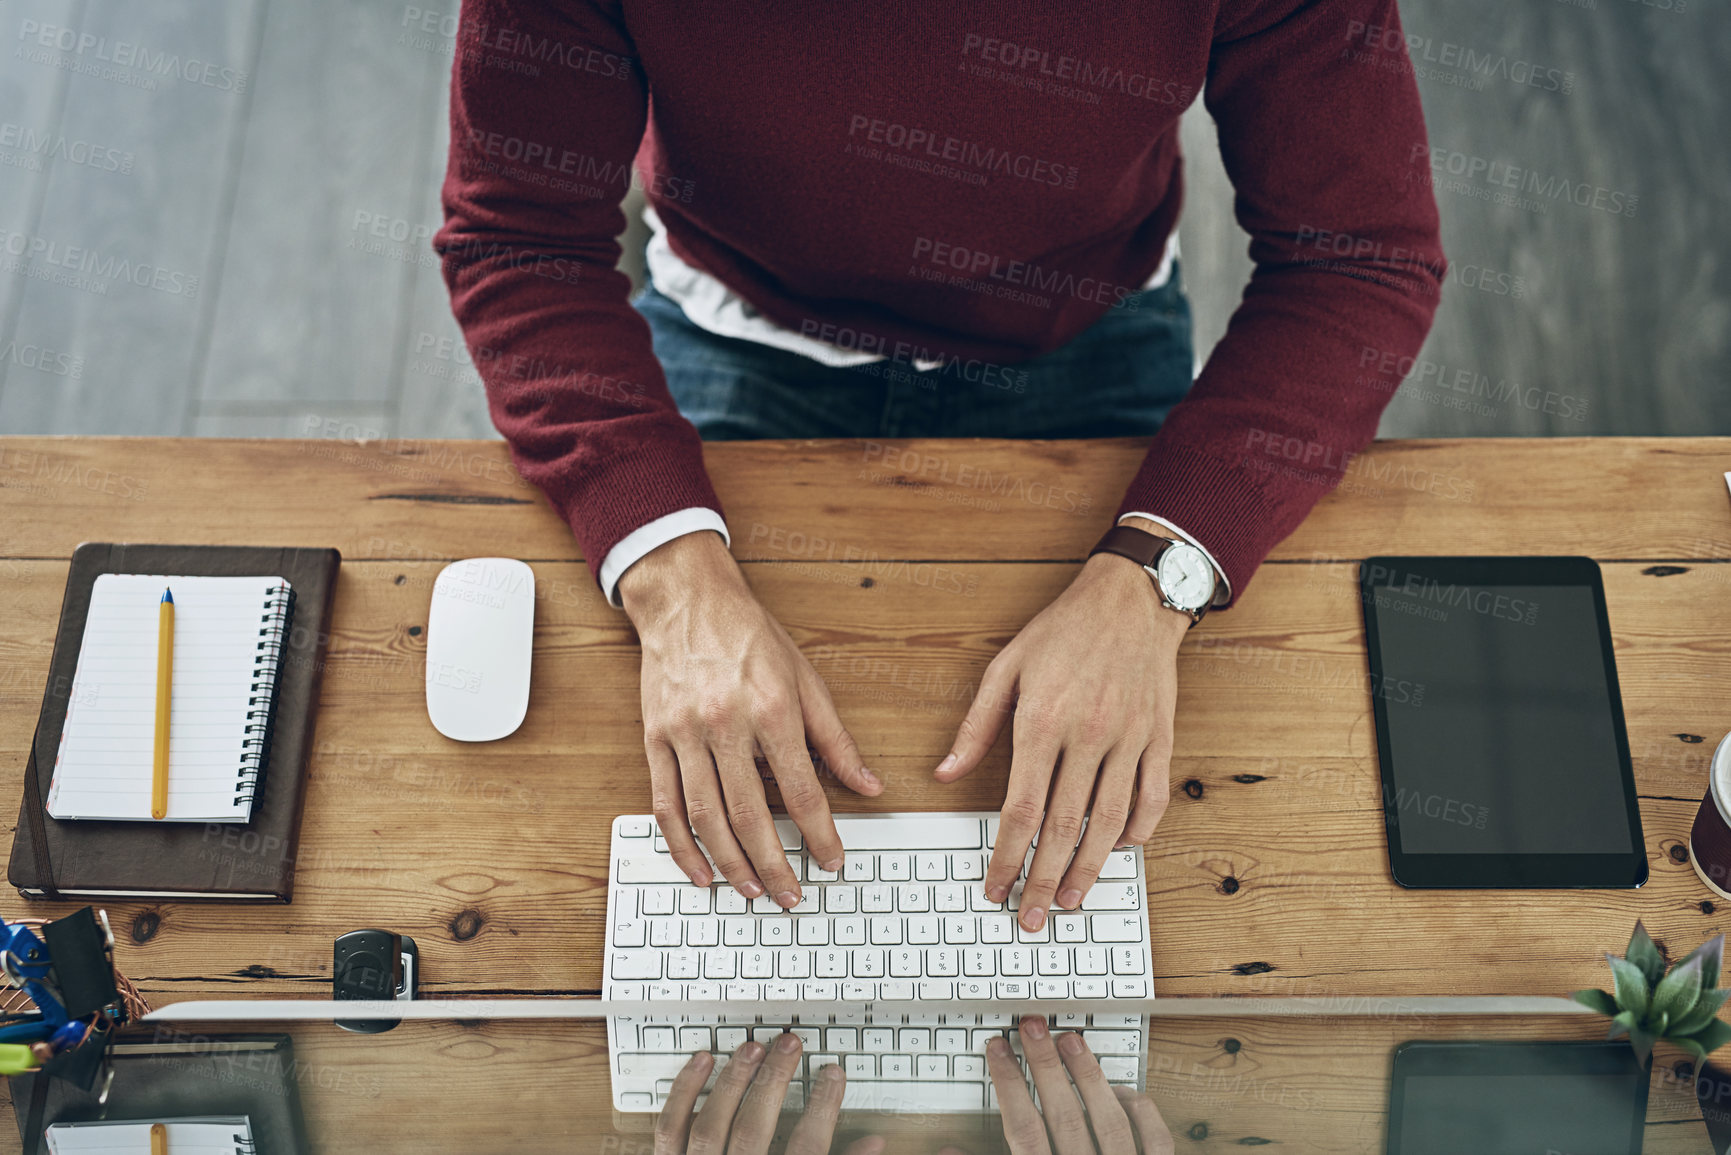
237	862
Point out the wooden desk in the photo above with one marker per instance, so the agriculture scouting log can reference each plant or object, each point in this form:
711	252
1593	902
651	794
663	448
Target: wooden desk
900	570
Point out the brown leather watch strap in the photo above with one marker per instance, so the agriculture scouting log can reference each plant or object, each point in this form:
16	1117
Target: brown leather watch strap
1138	545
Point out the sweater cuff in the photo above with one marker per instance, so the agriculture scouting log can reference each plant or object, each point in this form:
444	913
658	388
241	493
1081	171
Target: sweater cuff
640	541
1215	502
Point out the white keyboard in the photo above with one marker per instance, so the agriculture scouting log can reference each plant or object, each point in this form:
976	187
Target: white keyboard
906	918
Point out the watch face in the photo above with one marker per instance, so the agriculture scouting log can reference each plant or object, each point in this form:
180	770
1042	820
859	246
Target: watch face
1186	578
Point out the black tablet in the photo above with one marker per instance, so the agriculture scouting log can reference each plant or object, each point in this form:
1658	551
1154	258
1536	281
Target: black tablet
1499	728
1516	1099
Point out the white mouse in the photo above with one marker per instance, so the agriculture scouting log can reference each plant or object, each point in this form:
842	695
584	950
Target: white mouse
480	634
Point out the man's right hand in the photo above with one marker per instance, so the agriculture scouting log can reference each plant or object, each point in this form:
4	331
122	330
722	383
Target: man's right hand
721	681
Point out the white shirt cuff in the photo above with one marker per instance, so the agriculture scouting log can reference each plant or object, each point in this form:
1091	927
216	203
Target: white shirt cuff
1223	587
657	533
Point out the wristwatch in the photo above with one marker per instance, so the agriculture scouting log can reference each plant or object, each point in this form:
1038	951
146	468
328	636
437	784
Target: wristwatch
1182	575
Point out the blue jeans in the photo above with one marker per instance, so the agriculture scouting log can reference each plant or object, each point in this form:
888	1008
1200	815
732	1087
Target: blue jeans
1118	378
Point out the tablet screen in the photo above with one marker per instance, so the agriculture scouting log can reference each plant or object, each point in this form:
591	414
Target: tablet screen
1498	720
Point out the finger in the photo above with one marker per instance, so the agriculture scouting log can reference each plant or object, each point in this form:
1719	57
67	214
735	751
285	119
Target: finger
985	717
669	809
783	745
754	1126
822	1108
1062	829
710	1130
674	1123
748	817
1106	819
1153	790
1033	754
707	810
1106	1115
829	737
1063	1111
1023	1130
1150	1127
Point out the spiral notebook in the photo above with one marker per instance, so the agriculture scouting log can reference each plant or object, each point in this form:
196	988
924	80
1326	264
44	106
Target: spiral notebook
212	1136
229	635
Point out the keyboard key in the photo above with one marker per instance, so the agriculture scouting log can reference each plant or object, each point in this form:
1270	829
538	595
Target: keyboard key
660	844
1115	928
1053	960
1088	988
636	1101
913	899
909	1097
780	992
830	964
895	1067
683	964
951	1041
807	904
702	992
979	962
1129	988
729	1039
640	869
1013	988
951	898
959	931
1118	1069
894	868
729	901
694	900
740	992
1016	961
656	1038
840	899
857	992
886	930
664	932
1044	934
763	904
867	964
930	868
789	834
879	1039
1113	896
849	931
636	964
936	990
649	1067
739	931
996	928
877	899
816	873
692	1039
793	964
931	1067
905	963
860	1067
843	1039
1051	988
968	1067
943	963
1113	1042
774	931
810	930
913	1040
1117	1022
1127	960
718	964
1090	960
1120	864
922	930
656	899
909	833
968	867
974	989
634	828
1069	928
630	932
703	932
896	990
756	964
857	867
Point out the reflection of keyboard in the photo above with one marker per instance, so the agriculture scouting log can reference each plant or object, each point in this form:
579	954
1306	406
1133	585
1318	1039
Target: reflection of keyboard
905	918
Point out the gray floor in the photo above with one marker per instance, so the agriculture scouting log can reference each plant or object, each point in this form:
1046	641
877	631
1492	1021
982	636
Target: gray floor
254	240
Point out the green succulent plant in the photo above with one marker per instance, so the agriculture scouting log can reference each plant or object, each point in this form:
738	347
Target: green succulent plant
1681	1006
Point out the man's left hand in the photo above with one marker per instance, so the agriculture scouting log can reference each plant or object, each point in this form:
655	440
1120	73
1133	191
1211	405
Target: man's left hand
1093	683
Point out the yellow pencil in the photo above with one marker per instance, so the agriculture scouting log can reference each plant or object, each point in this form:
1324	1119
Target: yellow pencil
159	1132
164	684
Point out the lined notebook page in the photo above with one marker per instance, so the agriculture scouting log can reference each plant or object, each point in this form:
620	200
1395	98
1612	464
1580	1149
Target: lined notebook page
201	1136
107	749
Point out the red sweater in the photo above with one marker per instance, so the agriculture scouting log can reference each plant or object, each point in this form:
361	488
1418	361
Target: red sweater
826	161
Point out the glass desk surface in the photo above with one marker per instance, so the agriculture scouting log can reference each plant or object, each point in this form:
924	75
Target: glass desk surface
1381	1077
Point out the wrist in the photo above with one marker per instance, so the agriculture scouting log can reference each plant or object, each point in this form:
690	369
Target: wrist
672	573
1131	582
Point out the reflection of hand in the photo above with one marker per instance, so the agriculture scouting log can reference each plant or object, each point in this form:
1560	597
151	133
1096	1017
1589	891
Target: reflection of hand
1110	1110
744	1106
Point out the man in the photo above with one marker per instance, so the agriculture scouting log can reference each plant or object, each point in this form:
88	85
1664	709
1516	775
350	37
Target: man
922	220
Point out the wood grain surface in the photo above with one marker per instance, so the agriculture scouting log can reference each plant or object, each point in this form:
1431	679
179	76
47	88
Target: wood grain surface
1269	875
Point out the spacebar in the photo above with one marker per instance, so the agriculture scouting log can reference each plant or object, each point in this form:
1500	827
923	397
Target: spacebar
904	1097
908	833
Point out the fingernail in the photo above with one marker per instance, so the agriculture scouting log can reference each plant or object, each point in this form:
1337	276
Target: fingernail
1034	918
750	1051
829	1073
1124	846
788	1043
1034	1028
833	864
751	888
787	899
999	1046
869	778
944	766
997	893
1069	898
702	878
702	1059
1071	1044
